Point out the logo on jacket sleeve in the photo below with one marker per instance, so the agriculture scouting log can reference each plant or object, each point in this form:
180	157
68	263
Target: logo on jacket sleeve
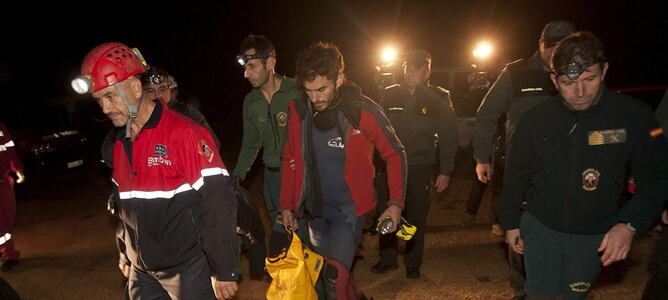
206	150
282	118
590	178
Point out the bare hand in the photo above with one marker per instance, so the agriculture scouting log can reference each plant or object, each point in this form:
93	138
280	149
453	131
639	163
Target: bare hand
394	212
21	177
292	164
664	217
514	239
125	269
616	244
484	172
288	219
224	289
442	183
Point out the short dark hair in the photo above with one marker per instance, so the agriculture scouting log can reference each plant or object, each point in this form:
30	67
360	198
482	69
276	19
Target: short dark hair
579	47
260	43
319	58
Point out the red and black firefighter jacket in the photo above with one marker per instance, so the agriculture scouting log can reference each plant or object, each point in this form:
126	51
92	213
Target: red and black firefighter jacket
364	126
175	197
9	162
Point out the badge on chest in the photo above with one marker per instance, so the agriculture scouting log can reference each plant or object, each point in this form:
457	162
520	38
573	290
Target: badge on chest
609	136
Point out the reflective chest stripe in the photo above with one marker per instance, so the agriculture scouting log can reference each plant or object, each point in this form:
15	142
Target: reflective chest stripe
171	193
3	147
5	238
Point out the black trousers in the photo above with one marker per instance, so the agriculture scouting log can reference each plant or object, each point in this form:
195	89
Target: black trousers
478	190
190	280
657	285
415	212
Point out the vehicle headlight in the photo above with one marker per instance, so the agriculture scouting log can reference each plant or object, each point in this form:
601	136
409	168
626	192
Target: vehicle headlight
42	148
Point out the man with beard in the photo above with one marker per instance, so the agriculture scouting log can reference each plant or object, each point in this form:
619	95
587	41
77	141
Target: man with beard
265	116
327	164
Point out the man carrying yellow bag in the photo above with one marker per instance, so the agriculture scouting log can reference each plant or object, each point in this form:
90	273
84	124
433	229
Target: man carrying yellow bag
294	272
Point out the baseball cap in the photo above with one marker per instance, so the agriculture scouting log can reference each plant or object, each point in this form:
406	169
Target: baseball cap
555	31
417	58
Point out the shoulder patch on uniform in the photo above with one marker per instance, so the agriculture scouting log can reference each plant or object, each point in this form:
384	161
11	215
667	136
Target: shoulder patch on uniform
205	150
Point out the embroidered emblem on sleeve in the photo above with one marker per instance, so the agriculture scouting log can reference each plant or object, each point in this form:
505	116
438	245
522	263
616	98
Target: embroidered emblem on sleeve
206	150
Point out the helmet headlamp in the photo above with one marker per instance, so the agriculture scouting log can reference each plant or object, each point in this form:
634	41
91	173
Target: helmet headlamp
82	84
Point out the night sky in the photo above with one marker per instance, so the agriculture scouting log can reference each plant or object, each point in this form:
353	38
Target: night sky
42	50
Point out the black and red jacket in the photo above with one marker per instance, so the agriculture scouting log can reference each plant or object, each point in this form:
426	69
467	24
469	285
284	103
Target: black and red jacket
365	127
9	162
175	196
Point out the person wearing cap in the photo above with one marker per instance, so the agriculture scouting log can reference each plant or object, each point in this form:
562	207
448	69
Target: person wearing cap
265	117
426	124
521	85
570	154
175	197
9	164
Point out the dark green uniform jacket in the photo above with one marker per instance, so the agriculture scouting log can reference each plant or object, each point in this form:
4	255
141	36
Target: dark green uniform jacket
265	126
521	85
421	121
569	166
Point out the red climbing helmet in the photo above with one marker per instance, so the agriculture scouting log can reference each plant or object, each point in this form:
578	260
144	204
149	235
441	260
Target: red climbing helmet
106	65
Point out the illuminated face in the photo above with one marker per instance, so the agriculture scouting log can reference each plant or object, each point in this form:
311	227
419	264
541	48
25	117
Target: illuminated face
158	91
581	92
321	91
414	76
257	71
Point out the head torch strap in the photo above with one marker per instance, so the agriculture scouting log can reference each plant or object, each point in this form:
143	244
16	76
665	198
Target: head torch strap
243	58
132	109
574	69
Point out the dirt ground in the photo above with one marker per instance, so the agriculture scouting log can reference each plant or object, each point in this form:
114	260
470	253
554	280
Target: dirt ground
66	239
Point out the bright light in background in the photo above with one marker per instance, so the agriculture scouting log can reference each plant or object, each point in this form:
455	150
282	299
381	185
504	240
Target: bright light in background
389	55
482	50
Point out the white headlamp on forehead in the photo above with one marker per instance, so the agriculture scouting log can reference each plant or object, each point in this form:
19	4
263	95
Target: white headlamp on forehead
82	84
242	59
